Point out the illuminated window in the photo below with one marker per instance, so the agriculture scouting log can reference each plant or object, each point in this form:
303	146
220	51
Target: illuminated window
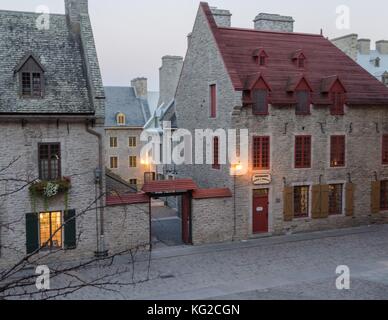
50	229
114	162
133	182
301	201
121	119
132	142
335	199
261	153
132	161
113	142
337	151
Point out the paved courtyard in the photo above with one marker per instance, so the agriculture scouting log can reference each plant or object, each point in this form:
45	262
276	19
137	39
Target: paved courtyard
288	267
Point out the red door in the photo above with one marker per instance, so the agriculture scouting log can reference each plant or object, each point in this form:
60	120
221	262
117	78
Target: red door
186	219
260	211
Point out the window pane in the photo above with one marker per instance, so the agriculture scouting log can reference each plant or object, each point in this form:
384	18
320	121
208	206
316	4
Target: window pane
56	224
26	84
44	228
384	195
260	104
335	199
301	201
303	102
36	85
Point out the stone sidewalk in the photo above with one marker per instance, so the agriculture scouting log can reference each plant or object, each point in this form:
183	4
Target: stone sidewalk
299	266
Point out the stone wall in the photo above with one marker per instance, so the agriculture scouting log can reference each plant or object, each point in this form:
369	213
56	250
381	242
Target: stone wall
213	220
127	227
348	44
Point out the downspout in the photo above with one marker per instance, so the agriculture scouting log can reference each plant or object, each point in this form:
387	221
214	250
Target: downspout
101	252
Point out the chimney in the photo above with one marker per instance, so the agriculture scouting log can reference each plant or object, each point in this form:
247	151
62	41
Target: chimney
222	17
169	74
140	87
382	46
74	9
274	22
363	46
347	44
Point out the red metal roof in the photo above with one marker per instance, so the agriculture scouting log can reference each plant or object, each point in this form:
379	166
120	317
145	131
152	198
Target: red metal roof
212	193
167	186
323	59
132	198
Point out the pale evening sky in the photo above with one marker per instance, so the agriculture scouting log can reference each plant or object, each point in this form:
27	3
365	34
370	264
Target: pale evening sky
132	35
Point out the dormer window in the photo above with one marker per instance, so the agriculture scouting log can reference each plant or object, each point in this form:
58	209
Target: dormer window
299	59
376	62
31	77
260	57
120	118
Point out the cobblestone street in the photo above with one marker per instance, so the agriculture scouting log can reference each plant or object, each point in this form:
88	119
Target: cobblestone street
299	266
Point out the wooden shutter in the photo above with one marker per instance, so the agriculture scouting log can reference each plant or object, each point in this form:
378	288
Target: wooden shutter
70	230
375	197
324	201
288	195
32	232
316	202
349	199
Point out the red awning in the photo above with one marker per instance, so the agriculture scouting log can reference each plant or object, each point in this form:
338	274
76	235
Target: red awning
169	186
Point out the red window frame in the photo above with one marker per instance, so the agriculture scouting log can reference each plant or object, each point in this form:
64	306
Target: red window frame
261	153
384	153
308	109
213	101
338	106
337	151
384	195
216	153
303	148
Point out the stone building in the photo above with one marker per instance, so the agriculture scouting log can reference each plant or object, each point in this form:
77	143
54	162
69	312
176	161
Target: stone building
52	112
127	111
374	61
318	135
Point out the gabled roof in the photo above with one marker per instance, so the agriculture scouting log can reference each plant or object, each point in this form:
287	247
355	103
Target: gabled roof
124	100
253	79
329	82
325	59
295	82
27	57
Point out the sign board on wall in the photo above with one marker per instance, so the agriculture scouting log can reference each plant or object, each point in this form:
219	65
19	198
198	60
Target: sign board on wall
261	179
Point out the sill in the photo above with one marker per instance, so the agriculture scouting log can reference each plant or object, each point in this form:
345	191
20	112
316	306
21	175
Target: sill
303	114
337	167
302	218
302	168
261	170
261	114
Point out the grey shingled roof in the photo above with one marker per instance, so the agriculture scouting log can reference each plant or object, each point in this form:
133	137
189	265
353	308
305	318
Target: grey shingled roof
124	100
58	51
